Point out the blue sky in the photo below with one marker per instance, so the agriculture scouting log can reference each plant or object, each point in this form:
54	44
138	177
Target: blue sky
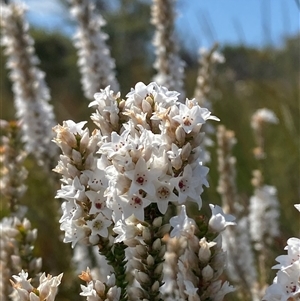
200	23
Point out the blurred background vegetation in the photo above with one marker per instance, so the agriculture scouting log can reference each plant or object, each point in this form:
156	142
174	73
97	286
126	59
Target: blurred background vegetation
249	79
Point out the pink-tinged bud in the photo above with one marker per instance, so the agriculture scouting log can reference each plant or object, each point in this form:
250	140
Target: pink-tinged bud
64	135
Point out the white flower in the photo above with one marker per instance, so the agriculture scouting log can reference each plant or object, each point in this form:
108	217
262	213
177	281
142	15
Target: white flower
174	156
99	225
142	178
126	229
71	210
182	224
164	194
96	179
189	184
47	288
134	204
188	118
219	220
75	191
217	290
190	289
75	231
88	291
117	146
98	203
297	206
293	248
22	281
286	285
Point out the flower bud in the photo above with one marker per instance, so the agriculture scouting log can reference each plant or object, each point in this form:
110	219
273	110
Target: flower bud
66	149
163	230
16	260
186	151
180	135
99	287
141	250
76	156
84	141
204	253
113	293
207	273
142	277
146	234
89	162
157	244
157	222
72	170
150	260
158	270
137	292
146	106
155	286
162	251
136	264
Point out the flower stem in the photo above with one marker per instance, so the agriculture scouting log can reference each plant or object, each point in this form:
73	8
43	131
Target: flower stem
115	255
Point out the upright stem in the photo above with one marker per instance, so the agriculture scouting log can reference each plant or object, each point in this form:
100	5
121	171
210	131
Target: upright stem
115	255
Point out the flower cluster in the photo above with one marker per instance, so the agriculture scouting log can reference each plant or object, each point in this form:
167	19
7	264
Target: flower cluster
199	258
13	173
144	160
263	215
45	291
169	66
286	284
16	240
95	62
30	90
154	157
96	290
